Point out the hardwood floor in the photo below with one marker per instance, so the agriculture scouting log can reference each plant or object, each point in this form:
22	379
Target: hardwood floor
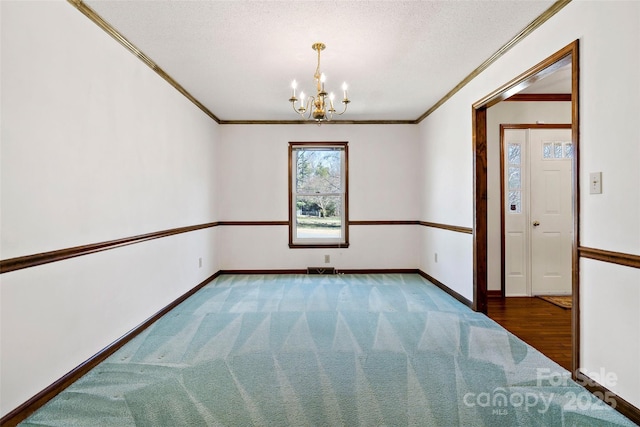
538	323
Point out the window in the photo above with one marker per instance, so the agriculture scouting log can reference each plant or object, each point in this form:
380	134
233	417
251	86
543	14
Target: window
318	196
514	204
554	150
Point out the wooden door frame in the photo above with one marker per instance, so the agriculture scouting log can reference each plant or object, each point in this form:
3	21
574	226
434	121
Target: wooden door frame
574	177
565	56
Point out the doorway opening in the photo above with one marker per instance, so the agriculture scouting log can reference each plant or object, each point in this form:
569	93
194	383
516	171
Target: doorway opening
536	212
566	56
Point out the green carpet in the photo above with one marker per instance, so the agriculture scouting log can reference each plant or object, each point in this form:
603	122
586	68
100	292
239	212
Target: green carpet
315	350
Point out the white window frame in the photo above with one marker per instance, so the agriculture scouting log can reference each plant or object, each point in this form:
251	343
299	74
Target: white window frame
328	242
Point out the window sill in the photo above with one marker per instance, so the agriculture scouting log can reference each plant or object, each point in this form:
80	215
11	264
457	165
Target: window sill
318	245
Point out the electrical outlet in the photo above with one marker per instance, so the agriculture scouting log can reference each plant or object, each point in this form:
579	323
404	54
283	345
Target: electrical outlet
327	259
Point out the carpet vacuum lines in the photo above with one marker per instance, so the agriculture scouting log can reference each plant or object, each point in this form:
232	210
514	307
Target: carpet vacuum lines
325	350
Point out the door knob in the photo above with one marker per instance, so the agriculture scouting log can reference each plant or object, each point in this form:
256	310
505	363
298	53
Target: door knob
536	223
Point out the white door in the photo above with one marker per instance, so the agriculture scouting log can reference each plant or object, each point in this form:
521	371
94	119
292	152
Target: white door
551	212
538	217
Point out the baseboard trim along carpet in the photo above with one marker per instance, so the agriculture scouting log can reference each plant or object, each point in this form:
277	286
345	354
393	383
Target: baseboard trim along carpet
326	270
609	397
447	289
27	408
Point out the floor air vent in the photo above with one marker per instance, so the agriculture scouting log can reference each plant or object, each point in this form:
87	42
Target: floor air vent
321	270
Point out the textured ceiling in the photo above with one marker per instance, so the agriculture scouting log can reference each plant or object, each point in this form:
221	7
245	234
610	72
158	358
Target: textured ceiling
238	58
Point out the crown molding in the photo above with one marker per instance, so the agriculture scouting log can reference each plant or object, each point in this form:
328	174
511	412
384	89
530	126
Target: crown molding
544	17
97	19
312	122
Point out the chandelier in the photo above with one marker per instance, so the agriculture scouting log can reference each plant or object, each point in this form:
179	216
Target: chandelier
320	106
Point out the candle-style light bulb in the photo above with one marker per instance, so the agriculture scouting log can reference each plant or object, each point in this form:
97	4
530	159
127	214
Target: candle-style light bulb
294	85
301	99
344	89
323	78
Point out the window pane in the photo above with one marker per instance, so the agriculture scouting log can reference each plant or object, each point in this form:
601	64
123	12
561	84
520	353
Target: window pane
514	178
514	154
557	150
546	150
318	171
319	217
514	202
568	151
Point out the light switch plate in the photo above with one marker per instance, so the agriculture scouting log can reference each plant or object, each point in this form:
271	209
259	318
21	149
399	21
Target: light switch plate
595	183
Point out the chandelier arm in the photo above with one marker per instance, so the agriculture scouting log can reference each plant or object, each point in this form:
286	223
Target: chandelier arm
346	103
300	110
293	104
309	106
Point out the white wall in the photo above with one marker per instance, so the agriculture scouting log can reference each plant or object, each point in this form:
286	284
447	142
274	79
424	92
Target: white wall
383	185
609	34
454	265
610	329
509	113
446	175
95	146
